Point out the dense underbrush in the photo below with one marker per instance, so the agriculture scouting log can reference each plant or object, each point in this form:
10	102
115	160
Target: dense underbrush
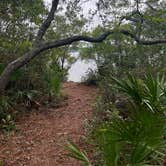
129	126
28	91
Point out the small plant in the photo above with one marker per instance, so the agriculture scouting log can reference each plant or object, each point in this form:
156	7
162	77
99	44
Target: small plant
150	92
1	163
5	105
53	79
26	94
76	153
27	97
8	124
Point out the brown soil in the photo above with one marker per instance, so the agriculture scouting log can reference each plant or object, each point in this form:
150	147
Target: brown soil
43	134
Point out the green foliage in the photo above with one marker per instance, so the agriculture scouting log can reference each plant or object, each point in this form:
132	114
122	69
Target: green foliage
55	84
133	141
150	92
76	153
1	163
26	96
8	124
17	31
54	78
137	139
119	54
132	87
1	68
134	136
109	146
5	105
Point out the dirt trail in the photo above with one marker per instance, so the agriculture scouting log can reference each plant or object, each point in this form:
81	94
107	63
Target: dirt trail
43	135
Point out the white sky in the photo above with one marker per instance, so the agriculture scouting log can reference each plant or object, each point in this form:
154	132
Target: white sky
89	4
86	6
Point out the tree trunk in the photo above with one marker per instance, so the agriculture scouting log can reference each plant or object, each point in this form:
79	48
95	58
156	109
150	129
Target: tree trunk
4	79
11	67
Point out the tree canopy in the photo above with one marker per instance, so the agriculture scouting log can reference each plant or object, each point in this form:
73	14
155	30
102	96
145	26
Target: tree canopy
28	30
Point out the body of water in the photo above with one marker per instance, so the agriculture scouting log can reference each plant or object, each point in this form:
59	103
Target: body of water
79	69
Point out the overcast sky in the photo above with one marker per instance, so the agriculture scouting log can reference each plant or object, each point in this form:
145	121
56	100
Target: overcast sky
91	4
86	6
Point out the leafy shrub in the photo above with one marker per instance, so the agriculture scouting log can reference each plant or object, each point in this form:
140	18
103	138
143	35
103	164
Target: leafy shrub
6	121
5	105
53	79
133	141
138	138
8	124
25	95
150	92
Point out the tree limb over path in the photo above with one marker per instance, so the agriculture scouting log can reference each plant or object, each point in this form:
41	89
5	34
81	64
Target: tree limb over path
70	40
42	46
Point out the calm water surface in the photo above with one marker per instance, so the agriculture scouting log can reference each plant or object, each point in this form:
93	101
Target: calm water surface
79	69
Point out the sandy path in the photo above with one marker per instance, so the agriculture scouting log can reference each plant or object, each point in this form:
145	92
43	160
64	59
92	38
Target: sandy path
43	135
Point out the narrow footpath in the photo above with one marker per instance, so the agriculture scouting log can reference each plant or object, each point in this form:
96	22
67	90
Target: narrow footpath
43	134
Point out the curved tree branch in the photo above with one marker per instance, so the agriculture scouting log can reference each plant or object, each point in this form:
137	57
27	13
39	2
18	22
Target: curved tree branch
70	40
43	28
58	43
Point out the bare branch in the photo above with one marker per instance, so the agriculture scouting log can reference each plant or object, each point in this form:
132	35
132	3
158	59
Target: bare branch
143	42
102	37
43	28
58	43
